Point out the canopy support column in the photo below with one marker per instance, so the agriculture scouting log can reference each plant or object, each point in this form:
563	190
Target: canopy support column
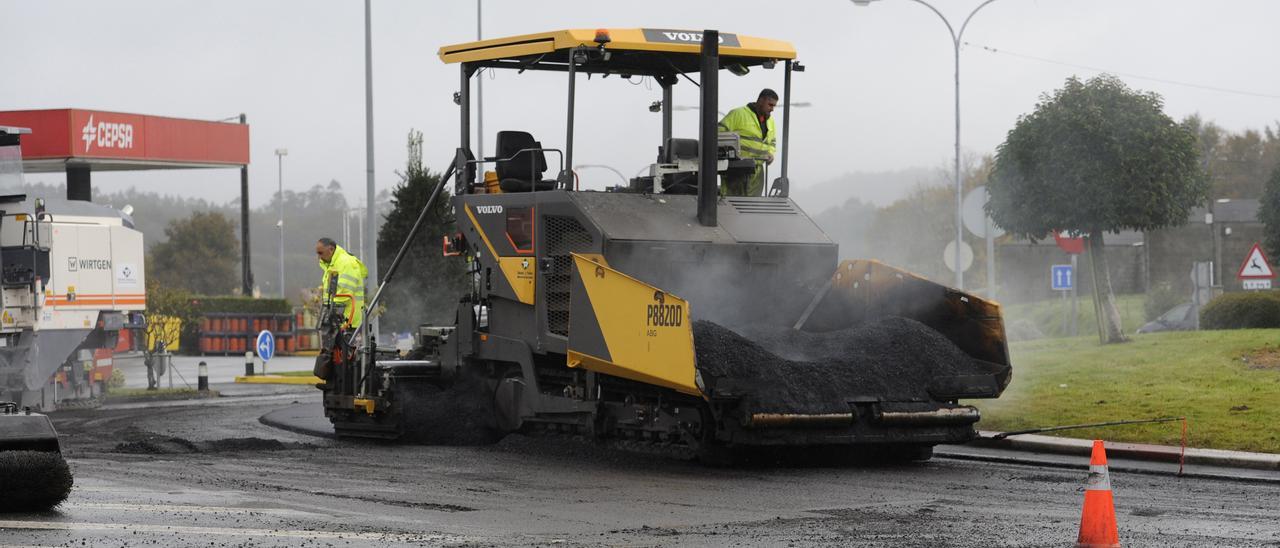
78	187
246	271
565	178
666	113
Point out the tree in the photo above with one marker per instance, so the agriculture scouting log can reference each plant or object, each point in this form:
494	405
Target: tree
1096	157
201	255
1237	164
427	286
1209	137
1269	214
170	311
911	232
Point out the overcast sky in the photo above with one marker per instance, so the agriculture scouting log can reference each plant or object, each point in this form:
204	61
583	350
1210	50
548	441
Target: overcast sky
879	78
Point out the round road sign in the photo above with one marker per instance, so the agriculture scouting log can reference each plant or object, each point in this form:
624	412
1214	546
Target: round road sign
966	256
975	217
266	345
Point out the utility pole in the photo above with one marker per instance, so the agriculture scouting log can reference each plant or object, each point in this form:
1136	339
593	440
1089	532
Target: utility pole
371	216
479	95
280	154
246	272
956	38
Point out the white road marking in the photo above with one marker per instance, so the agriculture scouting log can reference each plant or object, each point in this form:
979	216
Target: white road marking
189	530
186	508
92	489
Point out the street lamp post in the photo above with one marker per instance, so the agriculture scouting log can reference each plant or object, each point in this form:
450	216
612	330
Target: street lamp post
479	92
955	43
371	204
347	240
280	154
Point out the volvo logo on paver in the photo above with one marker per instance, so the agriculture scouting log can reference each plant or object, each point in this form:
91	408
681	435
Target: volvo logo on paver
487	209
106	135
673	36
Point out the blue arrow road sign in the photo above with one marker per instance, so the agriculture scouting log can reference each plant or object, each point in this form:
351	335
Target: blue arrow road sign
266	345
1061	277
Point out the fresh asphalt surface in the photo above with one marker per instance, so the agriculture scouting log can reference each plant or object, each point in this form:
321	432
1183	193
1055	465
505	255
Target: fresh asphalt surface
208	473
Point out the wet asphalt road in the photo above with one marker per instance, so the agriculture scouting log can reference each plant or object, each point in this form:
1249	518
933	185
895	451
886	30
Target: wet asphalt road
212	475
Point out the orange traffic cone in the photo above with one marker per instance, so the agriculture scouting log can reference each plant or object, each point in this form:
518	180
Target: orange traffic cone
1098	521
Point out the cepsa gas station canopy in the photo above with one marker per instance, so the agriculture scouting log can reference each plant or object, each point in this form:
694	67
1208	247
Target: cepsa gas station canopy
80	142
110	141
67	139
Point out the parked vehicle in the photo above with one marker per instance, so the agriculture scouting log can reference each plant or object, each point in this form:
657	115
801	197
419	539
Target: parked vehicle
1178	318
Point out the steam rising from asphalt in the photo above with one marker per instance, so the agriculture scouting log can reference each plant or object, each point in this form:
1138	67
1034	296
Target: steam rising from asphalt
734	285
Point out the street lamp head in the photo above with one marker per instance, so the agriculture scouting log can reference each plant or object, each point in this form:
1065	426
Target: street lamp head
862	3
282	152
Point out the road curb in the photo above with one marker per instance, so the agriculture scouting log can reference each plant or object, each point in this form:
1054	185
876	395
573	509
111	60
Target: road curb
1134	451
277	379
300	419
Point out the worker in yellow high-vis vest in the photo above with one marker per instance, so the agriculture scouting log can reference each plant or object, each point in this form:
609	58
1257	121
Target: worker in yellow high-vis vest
346	273
351	274
758	140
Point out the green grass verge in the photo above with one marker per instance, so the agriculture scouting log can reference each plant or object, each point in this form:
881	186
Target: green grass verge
1048	315
1230	403
159	393
306	373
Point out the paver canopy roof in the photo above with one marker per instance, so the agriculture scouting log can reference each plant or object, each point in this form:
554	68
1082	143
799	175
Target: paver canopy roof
650	52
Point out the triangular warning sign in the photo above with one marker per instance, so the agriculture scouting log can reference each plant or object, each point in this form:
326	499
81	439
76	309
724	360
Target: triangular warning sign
1255	265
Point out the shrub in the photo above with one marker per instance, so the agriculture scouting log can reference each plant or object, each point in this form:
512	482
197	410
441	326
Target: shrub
241	305
116	380
1243	310
1160	299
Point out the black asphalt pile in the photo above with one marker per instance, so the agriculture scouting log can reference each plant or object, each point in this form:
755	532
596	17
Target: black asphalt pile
141	442
157	445
244	444
461	414
33	481
781	370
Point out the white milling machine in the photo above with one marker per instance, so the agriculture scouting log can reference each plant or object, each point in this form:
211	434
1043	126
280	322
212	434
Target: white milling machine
71	277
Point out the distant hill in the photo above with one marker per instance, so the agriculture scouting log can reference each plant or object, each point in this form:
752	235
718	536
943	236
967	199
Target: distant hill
846	207
878	188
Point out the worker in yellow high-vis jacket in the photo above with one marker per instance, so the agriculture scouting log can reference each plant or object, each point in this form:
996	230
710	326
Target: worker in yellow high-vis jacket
347	274
758	140
351	274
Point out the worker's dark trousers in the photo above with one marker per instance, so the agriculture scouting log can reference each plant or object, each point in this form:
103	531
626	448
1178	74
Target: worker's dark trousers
325	366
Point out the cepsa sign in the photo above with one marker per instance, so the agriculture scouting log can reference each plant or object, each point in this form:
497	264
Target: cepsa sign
108	134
